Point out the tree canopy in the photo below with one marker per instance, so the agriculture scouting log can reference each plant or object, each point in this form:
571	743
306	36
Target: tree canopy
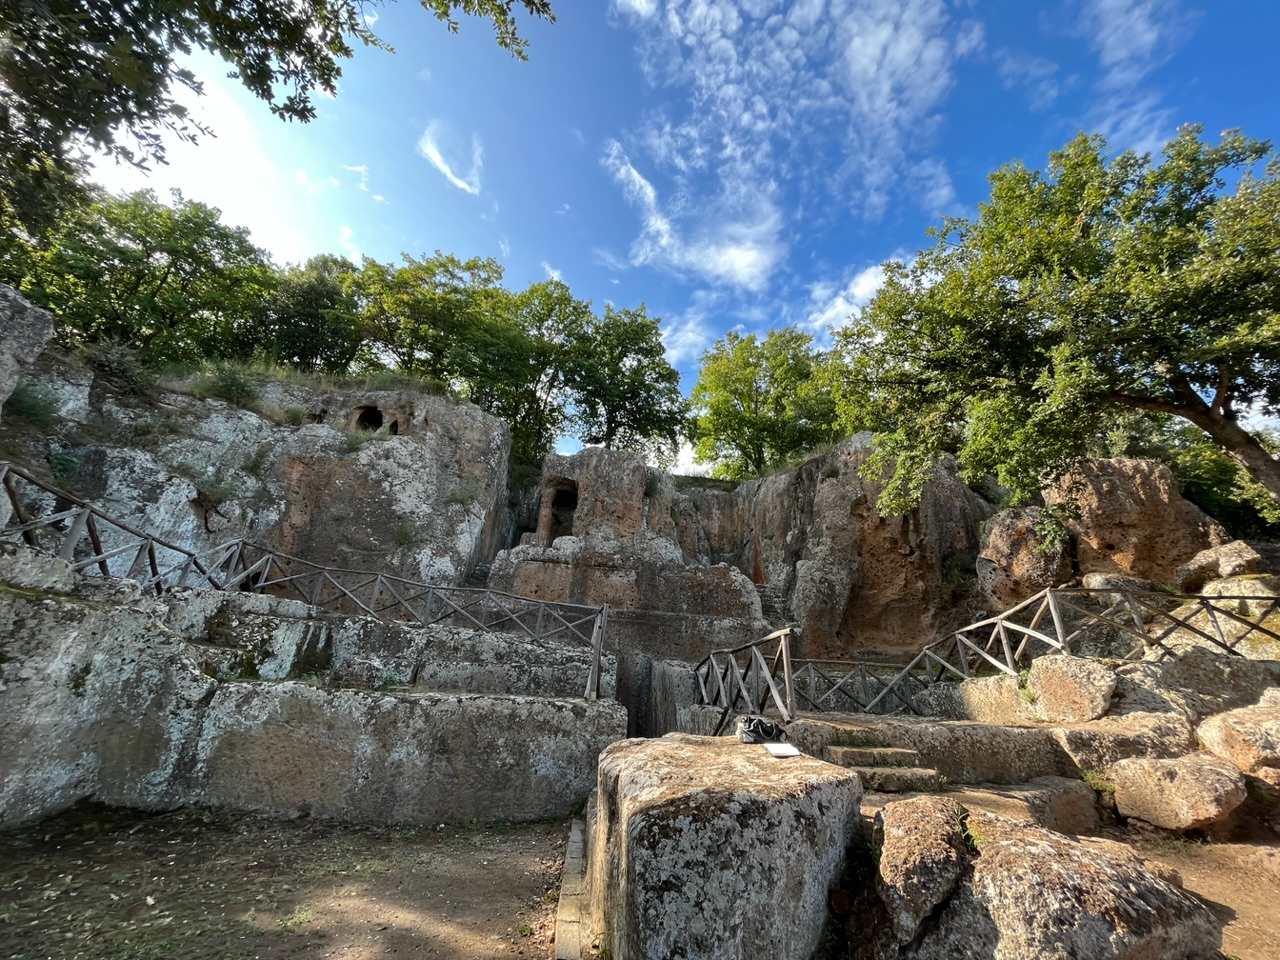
1098	285
757	403
103	73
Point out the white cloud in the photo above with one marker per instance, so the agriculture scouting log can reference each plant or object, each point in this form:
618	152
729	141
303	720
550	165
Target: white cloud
688	336
363	171
831	306
1036	76
564	208
436	141
838	96
370	17
504	246
739	247
638	8
684	465
1131	39
230	171
552	272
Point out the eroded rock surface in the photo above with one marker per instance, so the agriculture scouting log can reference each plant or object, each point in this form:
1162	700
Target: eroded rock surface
1071	689
1232	559
1034	893
922	857
24	330
709	848
1132	520
1016	562
1184	793
1248	737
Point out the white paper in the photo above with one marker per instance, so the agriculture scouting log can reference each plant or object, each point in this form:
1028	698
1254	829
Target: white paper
782	749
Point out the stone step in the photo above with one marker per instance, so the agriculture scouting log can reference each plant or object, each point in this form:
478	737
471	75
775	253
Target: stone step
570	918
872	756
899	779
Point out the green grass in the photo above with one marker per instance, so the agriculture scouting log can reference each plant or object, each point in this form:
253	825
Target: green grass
33	405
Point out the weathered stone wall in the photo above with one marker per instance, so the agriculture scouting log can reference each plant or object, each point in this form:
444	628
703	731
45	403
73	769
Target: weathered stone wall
427	501
115	695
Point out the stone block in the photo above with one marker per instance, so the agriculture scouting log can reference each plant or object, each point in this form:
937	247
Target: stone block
1248	737
1071	689
1232	559
1186	793
706	847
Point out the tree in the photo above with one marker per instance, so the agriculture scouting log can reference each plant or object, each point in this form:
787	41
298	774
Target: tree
310	320
524	366
1099	285
86	70
626	396
756	402
423	314
173	282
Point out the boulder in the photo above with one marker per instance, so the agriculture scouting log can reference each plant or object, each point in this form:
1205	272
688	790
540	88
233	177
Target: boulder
1097	744
1015	561
1248	737
1131	519
1071	689
1186	793
1029	892
922	858
24	330
1232	559
706	847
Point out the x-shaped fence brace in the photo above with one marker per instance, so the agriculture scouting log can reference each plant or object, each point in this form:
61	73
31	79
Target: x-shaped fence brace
1050	621
244	566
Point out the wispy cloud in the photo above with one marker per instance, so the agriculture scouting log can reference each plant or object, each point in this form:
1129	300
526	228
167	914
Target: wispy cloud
739	248
437	141
1131	39
1036	76
504	246
837	96
552	272
831	305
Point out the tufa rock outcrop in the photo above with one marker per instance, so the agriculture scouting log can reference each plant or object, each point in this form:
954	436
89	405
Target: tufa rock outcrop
24	330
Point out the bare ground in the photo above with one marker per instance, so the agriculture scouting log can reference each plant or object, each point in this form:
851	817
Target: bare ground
98	884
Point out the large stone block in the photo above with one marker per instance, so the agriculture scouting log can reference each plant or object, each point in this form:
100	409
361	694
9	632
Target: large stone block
287	747
707	847
1071	689
1232	559
1016	562
922	857
1029	892
1186	793
1249	737
24	330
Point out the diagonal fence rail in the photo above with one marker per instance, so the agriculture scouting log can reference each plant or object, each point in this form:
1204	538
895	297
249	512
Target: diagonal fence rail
93	542
1053	621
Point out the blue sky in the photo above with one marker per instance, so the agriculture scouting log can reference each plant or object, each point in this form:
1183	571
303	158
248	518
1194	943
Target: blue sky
730	163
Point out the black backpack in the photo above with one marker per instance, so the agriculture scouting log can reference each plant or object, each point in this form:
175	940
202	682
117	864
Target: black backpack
760	730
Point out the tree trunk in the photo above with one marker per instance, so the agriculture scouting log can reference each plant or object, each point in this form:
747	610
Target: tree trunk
1242	447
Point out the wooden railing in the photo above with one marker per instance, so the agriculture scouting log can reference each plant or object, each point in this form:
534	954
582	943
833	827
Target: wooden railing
1052	621
93	542
750	677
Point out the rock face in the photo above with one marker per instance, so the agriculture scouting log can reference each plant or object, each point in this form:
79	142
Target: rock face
111	694
24	330
922	856
1027	892
1248	737
1187	793
1071	689
1015	562
1232	559
422	494
707	847
1132	520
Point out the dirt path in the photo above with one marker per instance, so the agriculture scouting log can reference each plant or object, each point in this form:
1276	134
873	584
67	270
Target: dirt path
97	884
1239	881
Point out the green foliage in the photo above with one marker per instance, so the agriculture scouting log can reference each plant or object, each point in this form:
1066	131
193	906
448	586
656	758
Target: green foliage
626	395
310	320
121	365
356	439
757	403
1101	285
406	534
103	73
227	383
294	416
63	466
1099	782
173	282
31	404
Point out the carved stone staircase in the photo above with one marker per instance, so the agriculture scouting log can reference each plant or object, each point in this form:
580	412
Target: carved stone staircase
886	769
773	603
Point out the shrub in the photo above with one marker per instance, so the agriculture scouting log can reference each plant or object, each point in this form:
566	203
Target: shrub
31	404
294	416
